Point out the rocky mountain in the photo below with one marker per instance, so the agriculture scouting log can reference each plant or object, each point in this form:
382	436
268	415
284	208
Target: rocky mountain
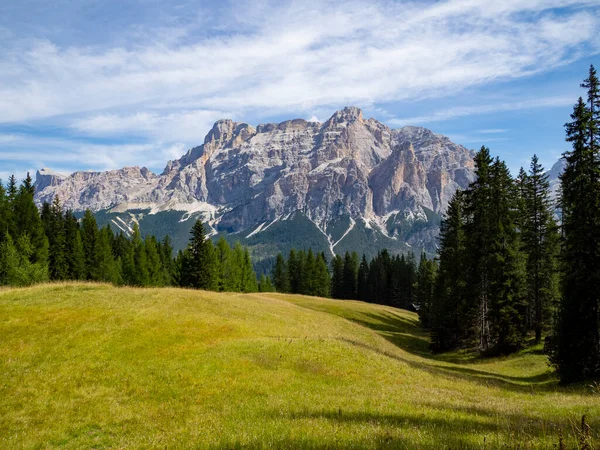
349	183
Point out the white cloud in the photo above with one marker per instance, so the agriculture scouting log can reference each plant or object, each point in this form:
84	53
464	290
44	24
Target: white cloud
67	155
189	126
462	111
300	56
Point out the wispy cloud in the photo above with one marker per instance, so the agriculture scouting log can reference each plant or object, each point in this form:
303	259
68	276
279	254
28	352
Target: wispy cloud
301	56
68	155
462	111
165	76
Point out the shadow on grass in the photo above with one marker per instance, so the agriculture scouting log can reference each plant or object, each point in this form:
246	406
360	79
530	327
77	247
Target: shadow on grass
434	426
406	334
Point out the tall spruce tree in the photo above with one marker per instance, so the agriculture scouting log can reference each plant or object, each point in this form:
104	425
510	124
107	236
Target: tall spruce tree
280	275
337	277
27	221
224	262
107	269
200	264
577	354
424	288
74	254
322	276
362	280
349	276
507	264
89	238
249	283
540	239
452	313
54	225
479	231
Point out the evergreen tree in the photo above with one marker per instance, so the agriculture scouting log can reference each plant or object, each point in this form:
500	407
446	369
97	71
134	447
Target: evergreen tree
27	220
309	279
89	238
5	213
140	258
156	273
362	279
280	275
577	353
451	312
507	265
74	254
337	277
541	245
199	263
249	283
16	268
480	238
54	225
107	269
237	267
166	255
349	276
322	276
224	261
425	285
265	285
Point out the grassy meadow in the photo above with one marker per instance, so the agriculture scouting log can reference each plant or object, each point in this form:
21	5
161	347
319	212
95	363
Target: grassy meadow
93	366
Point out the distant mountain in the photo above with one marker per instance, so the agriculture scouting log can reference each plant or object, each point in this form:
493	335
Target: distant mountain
346	184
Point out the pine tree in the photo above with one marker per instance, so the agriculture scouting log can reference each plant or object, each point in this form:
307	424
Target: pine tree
577	353
199	265
425	285
107	269
156	274
225	275
249	283
166	256
322	276
16	268
5	213
140	258
506	265
479	232
349	276
280	275
74	254
265	285
89	237
337	277
54	225
362	279
27	220
451	312
540	244
12	188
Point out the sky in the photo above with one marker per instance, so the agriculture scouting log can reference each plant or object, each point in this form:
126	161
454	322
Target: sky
103	84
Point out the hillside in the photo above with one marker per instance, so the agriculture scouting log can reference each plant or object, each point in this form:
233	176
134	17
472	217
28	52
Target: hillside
92	366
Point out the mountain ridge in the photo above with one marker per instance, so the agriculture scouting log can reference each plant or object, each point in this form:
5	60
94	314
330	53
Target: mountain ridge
244	179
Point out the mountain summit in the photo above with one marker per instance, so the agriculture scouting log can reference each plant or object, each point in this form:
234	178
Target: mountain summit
350	179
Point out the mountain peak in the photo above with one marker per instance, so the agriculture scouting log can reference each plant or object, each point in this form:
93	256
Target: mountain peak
348	114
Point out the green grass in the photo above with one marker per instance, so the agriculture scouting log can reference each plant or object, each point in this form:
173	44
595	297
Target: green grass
92	366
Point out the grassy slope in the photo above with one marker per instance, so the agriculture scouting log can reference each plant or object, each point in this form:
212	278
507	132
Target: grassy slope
94	366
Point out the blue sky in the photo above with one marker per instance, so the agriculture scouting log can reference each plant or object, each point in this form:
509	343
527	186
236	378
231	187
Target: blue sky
105	84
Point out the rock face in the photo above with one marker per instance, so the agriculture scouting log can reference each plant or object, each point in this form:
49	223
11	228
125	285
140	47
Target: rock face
94	190
247	178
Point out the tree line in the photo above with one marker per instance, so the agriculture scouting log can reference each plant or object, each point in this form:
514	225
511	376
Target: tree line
388	280
51	244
